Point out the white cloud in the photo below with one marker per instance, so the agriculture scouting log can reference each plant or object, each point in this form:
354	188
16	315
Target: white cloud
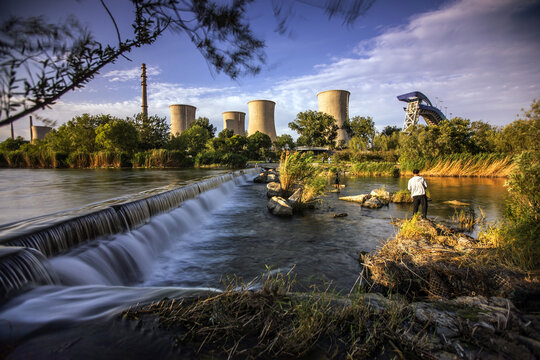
131	74
479	56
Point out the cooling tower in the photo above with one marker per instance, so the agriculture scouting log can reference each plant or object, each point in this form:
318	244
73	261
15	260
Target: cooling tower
235	121
39	132
336	103
181	117
261	117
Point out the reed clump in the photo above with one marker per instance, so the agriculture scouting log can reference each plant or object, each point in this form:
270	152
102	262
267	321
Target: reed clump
401	196
274	323
429	259
487	165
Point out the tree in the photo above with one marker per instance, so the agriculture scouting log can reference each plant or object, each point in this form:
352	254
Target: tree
389	130
361	126
522	134
65	56
258	146
194	139
78	134
284	141
117	135
12	144
153	131
205	123
315	128
483	137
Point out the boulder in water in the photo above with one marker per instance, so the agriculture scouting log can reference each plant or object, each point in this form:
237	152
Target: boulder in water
261	178
294	199
356	198
279	206
273	189
271	177
373	203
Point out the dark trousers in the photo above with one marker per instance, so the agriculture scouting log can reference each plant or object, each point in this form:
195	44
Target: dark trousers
417	200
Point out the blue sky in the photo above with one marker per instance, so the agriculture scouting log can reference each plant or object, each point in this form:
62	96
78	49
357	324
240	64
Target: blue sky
478	59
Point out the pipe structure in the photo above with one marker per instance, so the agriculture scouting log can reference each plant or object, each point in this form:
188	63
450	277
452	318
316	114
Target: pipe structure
143	86
336	103
261	118
235	121
181	117
39	132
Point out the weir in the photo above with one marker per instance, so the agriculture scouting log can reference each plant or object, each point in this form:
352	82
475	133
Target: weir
22	256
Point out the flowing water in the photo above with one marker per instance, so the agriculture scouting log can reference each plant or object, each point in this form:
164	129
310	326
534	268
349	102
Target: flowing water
226	231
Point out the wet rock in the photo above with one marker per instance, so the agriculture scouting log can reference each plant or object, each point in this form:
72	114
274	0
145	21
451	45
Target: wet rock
260	179
382	194
340	215
271	177
373	203
356	198
279	206
273	189
295	198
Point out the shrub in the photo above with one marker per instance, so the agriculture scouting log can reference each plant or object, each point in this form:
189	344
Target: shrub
295	168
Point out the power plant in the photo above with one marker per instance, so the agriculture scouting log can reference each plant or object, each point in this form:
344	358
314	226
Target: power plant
181	117
261	118
336	103
235	121
39	132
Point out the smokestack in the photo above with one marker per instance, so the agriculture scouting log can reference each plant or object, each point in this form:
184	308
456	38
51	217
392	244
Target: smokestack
31	125
143	85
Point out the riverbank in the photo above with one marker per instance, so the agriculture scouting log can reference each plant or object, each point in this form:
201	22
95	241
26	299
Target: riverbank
448	297
430	292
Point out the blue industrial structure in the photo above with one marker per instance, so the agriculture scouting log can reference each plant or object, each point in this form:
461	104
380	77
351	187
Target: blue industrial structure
419	105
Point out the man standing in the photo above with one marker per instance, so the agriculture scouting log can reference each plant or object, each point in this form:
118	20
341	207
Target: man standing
417	186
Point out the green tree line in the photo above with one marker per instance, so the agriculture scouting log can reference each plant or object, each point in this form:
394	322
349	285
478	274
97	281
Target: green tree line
91	141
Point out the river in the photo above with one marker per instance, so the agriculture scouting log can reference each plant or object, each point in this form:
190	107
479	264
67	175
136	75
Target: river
224	232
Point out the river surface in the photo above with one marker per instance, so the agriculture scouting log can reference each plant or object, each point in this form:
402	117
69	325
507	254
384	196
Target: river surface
27	193
226	231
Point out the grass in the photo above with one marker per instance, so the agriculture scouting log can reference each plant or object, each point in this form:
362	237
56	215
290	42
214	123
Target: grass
374	169
466	219
486	165
274	323
401	196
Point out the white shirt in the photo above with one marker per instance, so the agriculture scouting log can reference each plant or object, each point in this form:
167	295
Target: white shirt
417	185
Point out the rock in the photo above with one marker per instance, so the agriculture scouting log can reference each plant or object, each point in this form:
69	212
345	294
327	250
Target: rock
279	206
261	178
457	203
356	198
273	189
294	199
271	178
383	194
373	203
340	215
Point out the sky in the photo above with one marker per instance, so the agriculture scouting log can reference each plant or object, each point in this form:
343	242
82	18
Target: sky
476	59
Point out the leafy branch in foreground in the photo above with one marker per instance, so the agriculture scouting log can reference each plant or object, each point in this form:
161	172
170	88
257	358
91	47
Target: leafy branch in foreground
42	61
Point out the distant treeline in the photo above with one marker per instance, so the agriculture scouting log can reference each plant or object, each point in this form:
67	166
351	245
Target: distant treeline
96	141
455	147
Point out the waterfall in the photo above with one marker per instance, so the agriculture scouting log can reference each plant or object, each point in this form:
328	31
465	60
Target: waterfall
21	268
69	233
126	238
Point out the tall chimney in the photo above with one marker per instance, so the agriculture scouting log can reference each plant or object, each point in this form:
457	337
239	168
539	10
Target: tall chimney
31	124
143	84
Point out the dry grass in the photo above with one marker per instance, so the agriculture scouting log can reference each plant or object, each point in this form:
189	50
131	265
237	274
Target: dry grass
431	259
275	324
487	166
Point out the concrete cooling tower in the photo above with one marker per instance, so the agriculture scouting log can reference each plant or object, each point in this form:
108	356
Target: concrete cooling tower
235	121
181	117
39	132
261	118
336	103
